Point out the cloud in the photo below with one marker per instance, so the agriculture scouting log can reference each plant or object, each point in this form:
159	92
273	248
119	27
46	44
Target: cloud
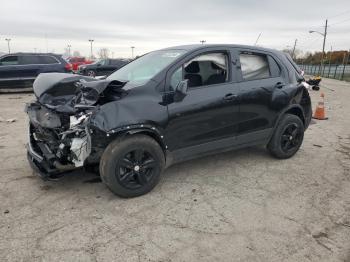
153	24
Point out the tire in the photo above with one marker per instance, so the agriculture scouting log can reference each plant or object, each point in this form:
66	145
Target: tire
128	174
287	138
91	73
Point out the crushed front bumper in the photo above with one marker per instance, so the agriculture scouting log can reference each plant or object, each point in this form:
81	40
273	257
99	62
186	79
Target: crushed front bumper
37	161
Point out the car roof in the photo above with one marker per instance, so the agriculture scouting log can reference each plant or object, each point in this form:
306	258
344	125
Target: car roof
200	46
25	53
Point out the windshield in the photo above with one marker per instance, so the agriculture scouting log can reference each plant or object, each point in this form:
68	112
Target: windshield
146	67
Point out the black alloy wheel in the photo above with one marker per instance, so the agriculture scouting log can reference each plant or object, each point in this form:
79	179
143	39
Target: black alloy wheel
290	138
287	137
132	166
136	169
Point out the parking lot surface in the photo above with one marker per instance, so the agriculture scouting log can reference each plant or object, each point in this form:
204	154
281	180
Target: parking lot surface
237	206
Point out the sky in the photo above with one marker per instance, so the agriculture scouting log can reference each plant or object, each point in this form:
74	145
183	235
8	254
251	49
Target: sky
51	25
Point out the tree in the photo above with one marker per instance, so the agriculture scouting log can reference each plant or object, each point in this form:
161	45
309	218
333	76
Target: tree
76	53
335	57
103	53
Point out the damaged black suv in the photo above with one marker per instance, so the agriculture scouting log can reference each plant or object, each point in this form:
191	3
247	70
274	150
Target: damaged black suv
165	107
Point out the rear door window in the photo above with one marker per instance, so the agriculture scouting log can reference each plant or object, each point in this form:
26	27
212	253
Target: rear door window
30	60
9	60
254	66
47	60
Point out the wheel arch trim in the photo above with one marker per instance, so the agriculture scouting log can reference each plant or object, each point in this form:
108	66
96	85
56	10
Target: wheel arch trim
146	129
293	108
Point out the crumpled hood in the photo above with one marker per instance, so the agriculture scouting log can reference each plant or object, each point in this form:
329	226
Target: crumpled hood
47	81
65	92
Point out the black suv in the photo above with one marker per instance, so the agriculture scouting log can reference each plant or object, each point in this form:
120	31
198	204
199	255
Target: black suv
103	67
165	107
19	70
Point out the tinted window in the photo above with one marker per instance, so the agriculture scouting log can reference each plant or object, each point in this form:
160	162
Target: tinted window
9	60
47	60
275	69
117	62
30	60
204	70
254	66
103	62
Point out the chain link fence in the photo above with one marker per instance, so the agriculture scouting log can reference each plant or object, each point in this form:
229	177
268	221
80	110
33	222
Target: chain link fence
335	71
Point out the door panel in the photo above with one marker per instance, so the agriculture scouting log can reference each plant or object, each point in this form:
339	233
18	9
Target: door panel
256	108
259	81
29	66
8	68
206	114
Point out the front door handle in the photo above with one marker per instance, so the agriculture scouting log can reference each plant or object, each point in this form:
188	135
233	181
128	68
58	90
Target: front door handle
230	97
279	85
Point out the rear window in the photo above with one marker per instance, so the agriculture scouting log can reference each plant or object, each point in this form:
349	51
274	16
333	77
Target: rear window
254	66
9	60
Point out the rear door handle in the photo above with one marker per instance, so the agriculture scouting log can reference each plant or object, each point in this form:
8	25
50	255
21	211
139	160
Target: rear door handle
230	97
279	85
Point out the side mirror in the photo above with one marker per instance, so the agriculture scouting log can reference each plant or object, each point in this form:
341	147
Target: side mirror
181	91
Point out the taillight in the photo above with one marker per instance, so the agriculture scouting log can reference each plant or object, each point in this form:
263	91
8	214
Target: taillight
68	67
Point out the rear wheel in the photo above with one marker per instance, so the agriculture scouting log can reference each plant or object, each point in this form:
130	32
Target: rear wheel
132	166
287	138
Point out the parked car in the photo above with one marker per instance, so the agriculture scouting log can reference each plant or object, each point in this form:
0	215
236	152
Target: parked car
166	107
78	61
103	67
19	70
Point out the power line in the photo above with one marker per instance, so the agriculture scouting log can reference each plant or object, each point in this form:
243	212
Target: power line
340	14
348	19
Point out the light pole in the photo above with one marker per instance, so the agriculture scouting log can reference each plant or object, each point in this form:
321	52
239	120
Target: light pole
324	42
8	44
295	44
91	41
69	46
330	56
132	52
203	42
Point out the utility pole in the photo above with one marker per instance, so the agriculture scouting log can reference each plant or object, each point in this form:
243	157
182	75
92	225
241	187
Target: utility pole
91	41
132	52
324	42
203	41
345	62
293	52
8	44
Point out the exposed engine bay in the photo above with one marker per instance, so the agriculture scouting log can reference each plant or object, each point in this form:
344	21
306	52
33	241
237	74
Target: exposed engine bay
59	129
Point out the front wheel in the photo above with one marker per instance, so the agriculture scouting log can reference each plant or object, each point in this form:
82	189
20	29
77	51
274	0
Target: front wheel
287	137
91	73
132	166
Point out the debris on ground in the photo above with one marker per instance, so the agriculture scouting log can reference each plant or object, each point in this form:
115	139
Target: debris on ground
11	120
317	145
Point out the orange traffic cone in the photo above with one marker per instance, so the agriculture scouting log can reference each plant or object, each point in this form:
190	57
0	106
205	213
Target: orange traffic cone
320	113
